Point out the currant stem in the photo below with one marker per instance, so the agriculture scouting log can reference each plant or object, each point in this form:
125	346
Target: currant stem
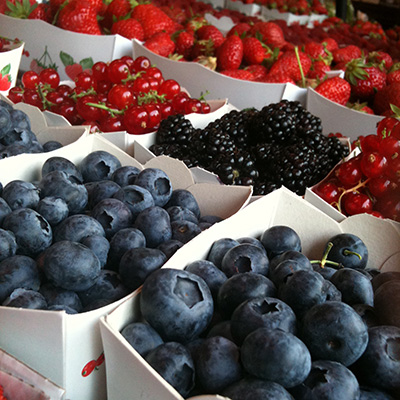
112	111
353	189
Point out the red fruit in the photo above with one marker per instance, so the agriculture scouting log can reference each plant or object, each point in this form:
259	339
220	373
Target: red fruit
385	127
318	70
239	74
230	53
253	51
121	97
30	79
152	19
42	11
49	76
184	43
346	54
116	10
161	44
370	143
271	33
380	59
393	76
349	173
384	98
278	76
112	124
357	203
289	65
330	44
389	206
314	50
15	94
259	71
390	147
79	16
379	186
170	88
335	89
73	70
129	28
373	164
239	29
210	32
365	80
328	191
117	71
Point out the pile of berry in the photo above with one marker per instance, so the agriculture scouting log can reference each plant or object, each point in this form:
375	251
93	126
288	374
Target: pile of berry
282	144
369	182
124	95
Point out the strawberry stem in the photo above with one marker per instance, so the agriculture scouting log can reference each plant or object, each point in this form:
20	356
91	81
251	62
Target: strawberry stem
303	79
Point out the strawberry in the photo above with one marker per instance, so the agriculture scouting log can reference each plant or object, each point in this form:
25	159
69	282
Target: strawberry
278	76
289	65
330	44
253	51
238	74
362	107
210	32
202	48
346	54
335	89
259	71
389	95
184	42
271	33
56	4
394	74
116	10
381	59
129	28
230	53
160	43
79	16
364	79
239	29
318	70
42	12
314	50
152	19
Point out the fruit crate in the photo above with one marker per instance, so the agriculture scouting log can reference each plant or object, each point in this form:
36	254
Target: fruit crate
64	347
47	45
247	9
270	14
127	372
337	118
239	93
10	59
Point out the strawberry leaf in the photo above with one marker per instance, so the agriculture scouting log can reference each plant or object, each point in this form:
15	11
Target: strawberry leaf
86	63
6	70
66	59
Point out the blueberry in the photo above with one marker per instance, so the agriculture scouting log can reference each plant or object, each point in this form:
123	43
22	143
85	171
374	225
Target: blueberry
155	224
328	380
286	268
76	227
326	271
304	289
102	190
21	136
56	296
242	287
245	258
369	393
5	121
217	364
184	198
98	165
221	328
348	250
290	255
21	194
4	210
169	247
387	304
35	147
8	244
71	265
53	209
125	175
276	355
354	286
252	240
107	286
136	198
256	389
219	249
100	247
123	240
20	120
32	232
178	213
142	337
178	304
138	263
184	231
280	238
210	219
367	313
174	363
113	215
334	331
26	298
18	272
157	182
51	145
261	312
379	365
213	276
60	184
13	150
60	307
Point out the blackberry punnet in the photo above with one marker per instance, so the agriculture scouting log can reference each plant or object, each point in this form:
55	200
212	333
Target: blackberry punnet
280	145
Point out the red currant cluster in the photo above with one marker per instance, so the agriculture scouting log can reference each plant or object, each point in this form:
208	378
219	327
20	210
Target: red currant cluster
370	182
124	95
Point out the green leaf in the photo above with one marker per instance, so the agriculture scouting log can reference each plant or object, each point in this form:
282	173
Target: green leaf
86	63
66	59
6	70
395	109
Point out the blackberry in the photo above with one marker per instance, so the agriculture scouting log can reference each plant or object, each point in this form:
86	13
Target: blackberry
174	129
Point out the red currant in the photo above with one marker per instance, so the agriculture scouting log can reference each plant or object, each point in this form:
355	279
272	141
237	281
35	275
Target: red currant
88	112
328	191
154	72
15	94
99	71
136	120
170	88
390	147
50	77
370	143
31	96
112	124
64	90
166	109
129	61
178	102
118	71
385	126
141	85
84	81
373	164
154	116
389	206
121	97
349	173
192	106
357	203
30	79
205	108
141	63
393	169
379	186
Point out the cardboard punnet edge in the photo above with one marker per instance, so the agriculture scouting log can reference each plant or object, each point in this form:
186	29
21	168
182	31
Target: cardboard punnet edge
314	227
